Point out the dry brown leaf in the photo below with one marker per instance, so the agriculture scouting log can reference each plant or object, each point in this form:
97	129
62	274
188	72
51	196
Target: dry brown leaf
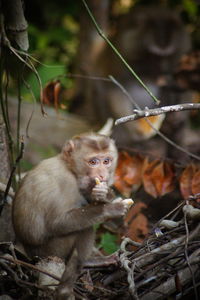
137	223
158	178
128	175
185	180
163	177
51	92
196	183
148	183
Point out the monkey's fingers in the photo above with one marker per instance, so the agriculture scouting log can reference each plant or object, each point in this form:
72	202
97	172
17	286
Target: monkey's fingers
100	184
100	189
117	200
99	193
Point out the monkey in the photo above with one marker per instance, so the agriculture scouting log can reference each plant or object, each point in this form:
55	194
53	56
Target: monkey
60	200
151	40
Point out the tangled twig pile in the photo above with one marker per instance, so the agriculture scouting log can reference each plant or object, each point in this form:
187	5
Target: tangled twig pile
165	264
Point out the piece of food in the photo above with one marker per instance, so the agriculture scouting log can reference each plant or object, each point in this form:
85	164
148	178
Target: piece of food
128	201
97	180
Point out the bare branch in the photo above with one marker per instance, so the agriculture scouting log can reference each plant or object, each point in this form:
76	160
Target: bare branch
169	286
138	114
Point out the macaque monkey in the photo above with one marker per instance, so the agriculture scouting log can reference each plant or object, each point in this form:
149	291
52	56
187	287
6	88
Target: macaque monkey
152	40
61	199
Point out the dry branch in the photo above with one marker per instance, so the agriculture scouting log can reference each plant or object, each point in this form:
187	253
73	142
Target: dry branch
138	114
161	267
169	286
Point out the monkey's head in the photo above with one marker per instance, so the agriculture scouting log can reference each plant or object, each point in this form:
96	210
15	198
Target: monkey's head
151	30
90	156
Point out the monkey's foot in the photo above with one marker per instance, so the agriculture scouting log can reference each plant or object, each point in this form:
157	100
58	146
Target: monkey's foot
64	293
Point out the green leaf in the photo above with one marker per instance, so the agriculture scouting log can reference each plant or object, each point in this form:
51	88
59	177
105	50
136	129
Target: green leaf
109	243
191	7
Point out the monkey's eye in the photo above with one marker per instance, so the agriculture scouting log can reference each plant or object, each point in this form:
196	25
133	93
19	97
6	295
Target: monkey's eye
107	161
93	161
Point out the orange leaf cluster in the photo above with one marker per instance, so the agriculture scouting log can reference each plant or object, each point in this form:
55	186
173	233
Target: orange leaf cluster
157	176
128	175
190	181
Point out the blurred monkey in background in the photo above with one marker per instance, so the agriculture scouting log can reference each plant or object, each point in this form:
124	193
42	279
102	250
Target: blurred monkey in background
152	40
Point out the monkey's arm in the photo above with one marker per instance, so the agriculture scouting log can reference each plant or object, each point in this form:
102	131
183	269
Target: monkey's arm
82	218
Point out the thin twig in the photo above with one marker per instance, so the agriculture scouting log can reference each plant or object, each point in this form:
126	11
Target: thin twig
3	189
194	197
169	214
186	255
6	98
11	175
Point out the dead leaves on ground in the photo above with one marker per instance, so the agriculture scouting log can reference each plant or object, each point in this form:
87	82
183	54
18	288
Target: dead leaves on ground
190	181
158	177
137	223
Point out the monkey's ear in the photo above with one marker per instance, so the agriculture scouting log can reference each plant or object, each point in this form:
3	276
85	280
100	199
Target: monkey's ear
107	128
67	149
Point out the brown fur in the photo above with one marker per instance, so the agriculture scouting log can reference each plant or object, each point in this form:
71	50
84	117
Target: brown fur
57	204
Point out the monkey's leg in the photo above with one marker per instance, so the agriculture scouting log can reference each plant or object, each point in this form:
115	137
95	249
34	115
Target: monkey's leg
65	289
84	245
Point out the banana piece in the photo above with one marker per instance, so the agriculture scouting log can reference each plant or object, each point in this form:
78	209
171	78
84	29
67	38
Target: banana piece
129	202
97	180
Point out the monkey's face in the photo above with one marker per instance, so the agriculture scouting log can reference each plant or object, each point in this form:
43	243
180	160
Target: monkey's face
100	166
97	166
91	157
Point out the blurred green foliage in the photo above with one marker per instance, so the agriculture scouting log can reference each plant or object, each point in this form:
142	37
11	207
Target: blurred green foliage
108	243
53	36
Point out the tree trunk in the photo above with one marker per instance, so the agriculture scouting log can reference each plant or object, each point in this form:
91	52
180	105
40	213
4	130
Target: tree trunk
6	230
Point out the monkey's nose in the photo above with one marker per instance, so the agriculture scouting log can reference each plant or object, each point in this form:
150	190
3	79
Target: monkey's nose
102	178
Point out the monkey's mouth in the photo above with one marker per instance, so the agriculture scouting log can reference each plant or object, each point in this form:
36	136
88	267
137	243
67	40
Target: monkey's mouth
165	51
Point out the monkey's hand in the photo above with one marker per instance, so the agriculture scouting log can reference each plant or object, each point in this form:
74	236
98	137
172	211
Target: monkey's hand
100	192
118	208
